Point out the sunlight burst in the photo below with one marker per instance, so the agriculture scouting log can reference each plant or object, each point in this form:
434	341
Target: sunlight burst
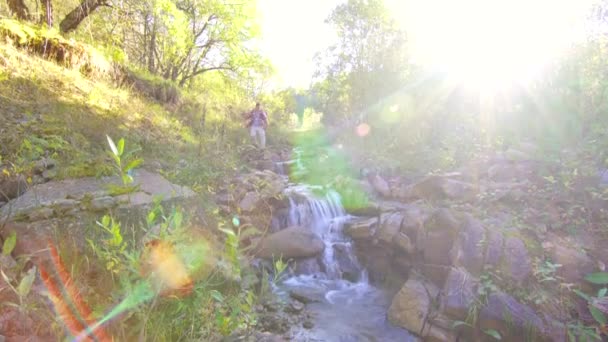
490	44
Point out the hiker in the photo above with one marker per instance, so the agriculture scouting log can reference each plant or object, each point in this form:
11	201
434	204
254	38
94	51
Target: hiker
257	123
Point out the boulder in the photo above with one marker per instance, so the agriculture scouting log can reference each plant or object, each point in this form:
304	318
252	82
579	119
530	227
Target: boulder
12	187
292	242
250	201
517	260
347	264
414	217
436	239
494	248
439	187
361	228
389	227
510	318
459	293
468	250
379	185
403	243
412	308
435	273
516	155
576	264
503	172
67	208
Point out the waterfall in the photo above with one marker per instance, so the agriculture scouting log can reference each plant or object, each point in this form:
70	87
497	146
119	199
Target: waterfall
325	216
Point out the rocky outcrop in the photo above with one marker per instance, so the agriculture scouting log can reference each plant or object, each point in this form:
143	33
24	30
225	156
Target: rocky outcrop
66	208
292	242
413	309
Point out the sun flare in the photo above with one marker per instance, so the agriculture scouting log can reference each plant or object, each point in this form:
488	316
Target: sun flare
489	43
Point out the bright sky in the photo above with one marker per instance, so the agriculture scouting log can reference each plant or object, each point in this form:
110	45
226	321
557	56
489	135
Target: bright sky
292	32
494	41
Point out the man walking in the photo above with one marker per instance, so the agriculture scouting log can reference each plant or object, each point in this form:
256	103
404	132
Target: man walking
258	121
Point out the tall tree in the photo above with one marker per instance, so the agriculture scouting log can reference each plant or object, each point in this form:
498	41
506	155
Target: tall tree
368	62
78	14
18	8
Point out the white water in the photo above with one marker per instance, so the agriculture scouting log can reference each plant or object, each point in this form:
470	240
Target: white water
347	311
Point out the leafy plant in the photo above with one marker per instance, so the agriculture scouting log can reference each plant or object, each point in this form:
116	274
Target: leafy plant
490	332
9	243
279	268
545	271
597	305
22	290
124	163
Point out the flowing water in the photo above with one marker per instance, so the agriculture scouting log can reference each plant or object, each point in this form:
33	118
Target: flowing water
347	307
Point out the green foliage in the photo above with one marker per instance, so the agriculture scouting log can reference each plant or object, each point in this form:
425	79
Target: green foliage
123	161
598	278
545	271
9	243
22	290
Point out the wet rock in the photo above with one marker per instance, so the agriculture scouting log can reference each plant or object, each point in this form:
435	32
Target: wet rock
468	250
517	260
103	203
273	322
253	337
411	309
307	266
458	293
361	228
308	324
305	296
250	201
292	242
344	256
295	307
509	317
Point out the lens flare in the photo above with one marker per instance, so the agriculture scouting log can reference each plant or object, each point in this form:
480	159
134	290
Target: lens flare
363	129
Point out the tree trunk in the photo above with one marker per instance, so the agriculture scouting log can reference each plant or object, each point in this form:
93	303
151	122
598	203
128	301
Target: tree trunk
152	47
47	16
18	8
78	14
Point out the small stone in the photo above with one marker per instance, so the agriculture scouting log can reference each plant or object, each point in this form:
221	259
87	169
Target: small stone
47	175
44	164
102	203
308	324
41	214
295	307
2	203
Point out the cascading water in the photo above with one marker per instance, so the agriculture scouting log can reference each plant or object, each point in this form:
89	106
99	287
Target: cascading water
348	308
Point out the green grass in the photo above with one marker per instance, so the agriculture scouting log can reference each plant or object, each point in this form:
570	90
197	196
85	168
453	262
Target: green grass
54	110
